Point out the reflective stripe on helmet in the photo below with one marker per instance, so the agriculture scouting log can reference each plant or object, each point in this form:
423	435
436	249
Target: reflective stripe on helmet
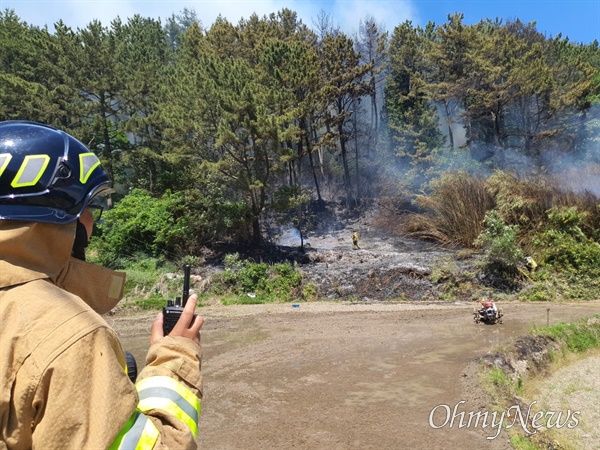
4	160
168	395
46	175
87	163
31	170
139	433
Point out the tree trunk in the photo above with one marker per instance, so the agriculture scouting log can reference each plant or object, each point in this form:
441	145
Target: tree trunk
347	180
356	200
107	150
314	172
320	155
313	169
449	122
256	230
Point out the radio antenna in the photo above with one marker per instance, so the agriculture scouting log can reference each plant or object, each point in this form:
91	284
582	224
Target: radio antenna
186	284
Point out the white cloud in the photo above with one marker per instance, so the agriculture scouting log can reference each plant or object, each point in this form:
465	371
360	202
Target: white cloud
78	13
389	13
81	13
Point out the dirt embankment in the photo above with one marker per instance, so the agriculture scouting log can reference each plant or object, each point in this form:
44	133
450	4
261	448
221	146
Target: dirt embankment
576	388
558	384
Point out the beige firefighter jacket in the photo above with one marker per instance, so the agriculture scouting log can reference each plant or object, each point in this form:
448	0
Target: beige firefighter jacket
62	378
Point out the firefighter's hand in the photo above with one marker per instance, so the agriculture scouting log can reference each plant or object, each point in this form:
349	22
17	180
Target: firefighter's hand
188	325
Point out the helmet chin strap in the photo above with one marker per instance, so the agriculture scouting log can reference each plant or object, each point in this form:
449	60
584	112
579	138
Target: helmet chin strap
81	242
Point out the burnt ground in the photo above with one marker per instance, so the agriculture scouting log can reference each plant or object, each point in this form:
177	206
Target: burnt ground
384	268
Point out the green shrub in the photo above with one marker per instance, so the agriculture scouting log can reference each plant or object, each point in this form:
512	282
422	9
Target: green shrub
154	301
565	247
310	292
139	282
140	223
264	282
244	299
232	261
539	292
252	277
499	241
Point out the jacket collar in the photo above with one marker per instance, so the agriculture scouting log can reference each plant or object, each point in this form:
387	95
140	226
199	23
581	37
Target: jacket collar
32	251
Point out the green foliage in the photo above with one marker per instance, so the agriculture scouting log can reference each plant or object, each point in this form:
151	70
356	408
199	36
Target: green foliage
576	336
412	118
140	223
519	202
139	281
522	443
208	124
541	291
571	259
257	282
564	247
152	302
497	377
310	292
213	211
148	277
284	281
499	241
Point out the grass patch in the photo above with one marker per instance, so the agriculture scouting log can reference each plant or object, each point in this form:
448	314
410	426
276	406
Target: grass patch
497	377
522	443
152	302
576	337
247	282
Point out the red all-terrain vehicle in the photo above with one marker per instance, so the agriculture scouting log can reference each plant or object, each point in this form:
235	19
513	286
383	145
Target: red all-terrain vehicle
487	312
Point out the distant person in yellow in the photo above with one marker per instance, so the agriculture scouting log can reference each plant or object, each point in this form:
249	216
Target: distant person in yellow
355	240
530	264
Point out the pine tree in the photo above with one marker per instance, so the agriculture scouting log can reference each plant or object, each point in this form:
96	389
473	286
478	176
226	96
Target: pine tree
343	78
412	118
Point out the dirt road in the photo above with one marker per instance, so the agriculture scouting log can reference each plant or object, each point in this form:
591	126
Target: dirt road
343	376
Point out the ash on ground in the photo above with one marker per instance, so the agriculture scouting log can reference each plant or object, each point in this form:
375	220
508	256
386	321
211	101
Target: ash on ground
383	268
386	267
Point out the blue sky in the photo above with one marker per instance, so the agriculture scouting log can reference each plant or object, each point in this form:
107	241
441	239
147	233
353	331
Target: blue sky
577	19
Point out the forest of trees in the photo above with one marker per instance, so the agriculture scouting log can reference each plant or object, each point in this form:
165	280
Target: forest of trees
222	124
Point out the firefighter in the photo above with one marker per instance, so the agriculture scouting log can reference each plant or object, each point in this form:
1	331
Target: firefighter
355	240
63	381
530	264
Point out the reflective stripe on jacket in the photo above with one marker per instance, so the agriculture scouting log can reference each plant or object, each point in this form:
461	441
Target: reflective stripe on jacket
158	393
139	433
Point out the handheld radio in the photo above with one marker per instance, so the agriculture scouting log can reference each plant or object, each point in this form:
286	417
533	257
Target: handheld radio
172	312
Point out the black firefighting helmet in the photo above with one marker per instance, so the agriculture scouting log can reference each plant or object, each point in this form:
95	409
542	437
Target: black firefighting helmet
46	175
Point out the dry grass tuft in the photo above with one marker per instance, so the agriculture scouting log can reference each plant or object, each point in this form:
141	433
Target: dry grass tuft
454	212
